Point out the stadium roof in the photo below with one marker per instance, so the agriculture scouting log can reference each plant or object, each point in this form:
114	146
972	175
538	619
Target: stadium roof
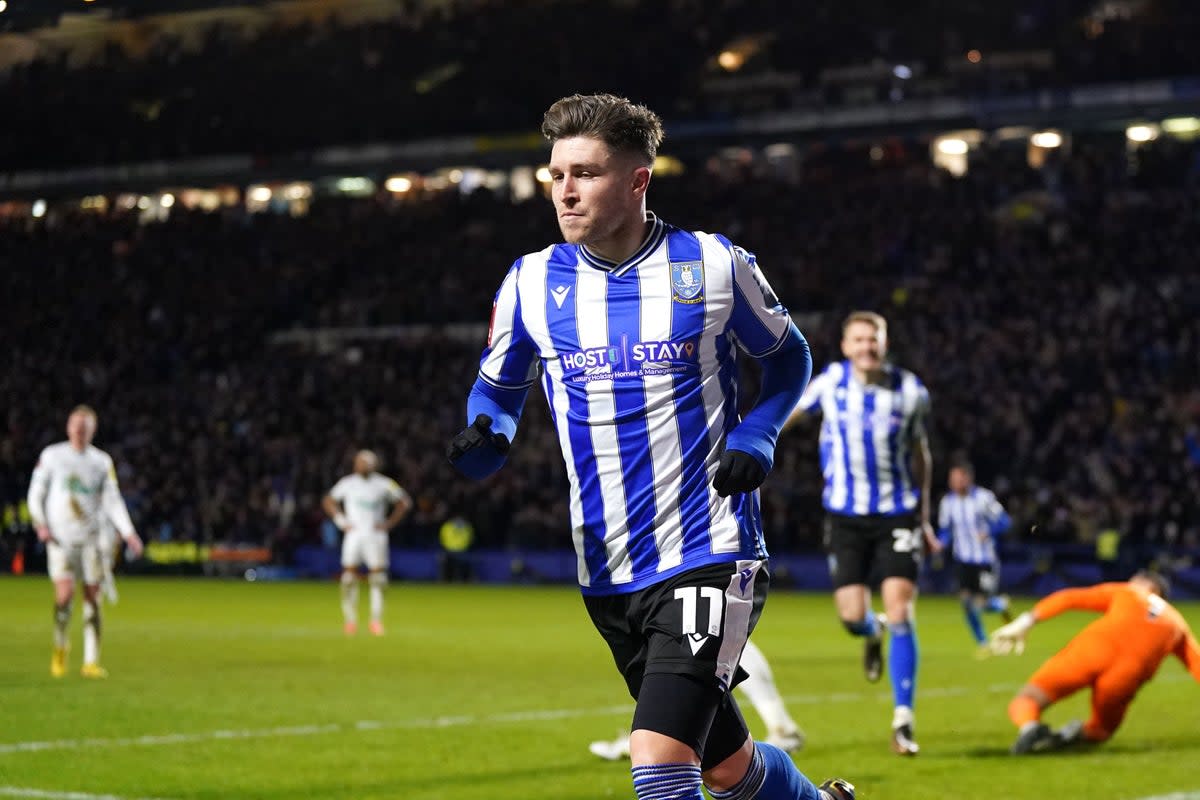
28	15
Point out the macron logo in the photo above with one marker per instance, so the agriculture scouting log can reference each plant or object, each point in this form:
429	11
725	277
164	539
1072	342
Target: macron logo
560	294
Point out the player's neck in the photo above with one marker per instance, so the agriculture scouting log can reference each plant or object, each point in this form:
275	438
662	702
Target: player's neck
78	447
624	242
868	376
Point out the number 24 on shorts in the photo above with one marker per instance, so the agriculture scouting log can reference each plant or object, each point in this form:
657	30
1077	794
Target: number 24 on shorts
906	540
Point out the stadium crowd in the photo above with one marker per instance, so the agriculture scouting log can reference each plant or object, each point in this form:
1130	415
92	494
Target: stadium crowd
1054	314
448	68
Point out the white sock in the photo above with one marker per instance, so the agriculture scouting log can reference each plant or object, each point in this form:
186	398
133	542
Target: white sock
902	715
91	632
378	581
350	597
761	690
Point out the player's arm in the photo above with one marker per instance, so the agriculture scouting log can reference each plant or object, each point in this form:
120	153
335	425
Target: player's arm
999	522
401	505
1010	638
923	473
809	402
1188	651
333	510
1089	598
113	507
763	328
944	533
39	488
507	369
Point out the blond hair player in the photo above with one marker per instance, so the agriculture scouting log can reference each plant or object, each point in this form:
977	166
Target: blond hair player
74	487
364	497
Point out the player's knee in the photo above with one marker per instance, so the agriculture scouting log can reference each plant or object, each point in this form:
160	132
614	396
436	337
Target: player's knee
378	579
732	770
91	613
349	578
857	627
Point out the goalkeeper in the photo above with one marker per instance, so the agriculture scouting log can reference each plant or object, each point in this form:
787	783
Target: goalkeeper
1114	655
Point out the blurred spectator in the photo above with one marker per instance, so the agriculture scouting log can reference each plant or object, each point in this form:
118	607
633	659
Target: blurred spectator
1060	348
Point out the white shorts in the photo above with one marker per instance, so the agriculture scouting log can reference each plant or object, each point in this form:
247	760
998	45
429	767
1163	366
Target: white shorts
365	547
80	562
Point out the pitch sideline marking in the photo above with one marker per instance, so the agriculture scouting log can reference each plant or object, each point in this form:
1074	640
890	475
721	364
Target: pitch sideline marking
1174	796
454	722
425	723
21	791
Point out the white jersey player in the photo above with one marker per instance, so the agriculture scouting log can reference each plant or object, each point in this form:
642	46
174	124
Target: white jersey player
74	488
365	497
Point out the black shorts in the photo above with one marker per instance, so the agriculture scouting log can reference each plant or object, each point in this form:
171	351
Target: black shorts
978	578
695	623
867	549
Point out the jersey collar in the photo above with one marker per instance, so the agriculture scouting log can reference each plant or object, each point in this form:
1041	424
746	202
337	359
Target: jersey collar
653	239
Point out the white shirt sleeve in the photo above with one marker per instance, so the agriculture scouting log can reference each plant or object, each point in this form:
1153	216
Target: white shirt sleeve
338	492
112	502
510	359
810	401
39	487
758	320
920	426
943	513
396	494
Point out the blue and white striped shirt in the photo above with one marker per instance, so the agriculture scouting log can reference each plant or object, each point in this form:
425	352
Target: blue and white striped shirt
867	438
637	362
969	522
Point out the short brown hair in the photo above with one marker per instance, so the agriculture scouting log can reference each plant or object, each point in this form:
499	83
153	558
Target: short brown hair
869	317
617	121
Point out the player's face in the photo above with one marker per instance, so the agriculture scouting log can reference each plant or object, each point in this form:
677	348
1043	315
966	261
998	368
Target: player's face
865	346
598	194
363	464
81	428
959	480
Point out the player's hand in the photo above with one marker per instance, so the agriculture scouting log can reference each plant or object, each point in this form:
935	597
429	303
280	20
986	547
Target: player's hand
738	472
932	542
134	543
476	435
1010	638
43	533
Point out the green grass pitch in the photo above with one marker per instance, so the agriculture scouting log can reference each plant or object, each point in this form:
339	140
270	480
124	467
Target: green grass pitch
226	689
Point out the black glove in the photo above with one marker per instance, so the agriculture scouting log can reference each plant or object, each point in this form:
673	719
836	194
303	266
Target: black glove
738	472
477	434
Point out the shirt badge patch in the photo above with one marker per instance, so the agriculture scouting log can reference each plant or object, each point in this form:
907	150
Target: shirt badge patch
687	281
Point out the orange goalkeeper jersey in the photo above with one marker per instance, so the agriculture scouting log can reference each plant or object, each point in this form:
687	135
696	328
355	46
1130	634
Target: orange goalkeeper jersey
1137	624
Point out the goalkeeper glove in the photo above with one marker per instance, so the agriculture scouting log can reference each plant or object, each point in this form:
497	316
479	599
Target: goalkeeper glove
475	440
1010	638
738	472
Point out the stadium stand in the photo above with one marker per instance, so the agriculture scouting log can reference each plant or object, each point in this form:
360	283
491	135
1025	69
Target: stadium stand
108	91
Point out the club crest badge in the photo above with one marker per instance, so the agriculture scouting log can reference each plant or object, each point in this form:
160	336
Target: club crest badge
687	281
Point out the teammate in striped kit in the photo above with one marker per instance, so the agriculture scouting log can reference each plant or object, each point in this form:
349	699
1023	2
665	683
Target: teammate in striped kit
876	462
631	326
969	519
